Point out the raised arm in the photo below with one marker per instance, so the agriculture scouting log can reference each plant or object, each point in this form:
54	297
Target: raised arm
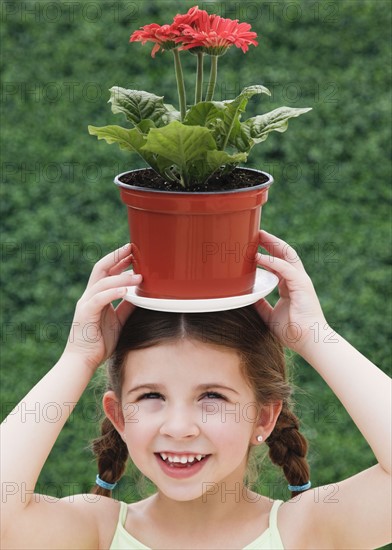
27	521
361	517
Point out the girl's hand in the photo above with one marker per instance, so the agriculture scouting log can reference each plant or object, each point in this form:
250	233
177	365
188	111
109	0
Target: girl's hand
294	317
97	324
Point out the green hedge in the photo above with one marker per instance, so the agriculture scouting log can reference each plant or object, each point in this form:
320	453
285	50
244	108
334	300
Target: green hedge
61	212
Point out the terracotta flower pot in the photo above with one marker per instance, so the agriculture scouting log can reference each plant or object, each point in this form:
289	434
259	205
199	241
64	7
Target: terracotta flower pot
193	245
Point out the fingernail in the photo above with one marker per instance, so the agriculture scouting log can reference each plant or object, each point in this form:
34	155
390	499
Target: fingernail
126	246
136	276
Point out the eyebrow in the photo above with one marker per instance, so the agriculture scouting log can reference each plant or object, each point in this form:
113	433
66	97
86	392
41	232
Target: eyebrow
154	387
216	386
158	387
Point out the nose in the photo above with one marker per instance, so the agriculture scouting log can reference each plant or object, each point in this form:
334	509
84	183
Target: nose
179	423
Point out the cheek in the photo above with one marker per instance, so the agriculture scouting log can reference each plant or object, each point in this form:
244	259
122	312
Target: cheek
139	440
230	413
229	421
141	423
134	413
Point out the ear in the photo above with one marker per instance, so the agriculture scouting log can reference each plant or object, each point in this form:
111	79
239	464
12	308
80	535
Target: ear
268	416
113	410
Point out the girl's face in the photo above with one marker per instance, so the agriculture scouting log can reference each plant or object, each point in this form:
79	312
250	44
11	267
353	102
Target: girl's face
188	417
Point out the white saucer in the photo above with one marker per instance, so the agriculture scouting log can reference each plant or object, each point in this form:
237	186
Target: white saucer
264	284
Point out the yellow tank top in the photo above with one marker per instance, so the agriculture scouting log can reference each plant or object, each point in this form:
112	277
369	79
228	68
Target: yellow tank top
269	540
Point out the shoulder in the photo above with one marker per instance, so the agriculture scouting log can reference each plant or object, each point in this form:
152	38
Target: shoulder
98	514
334	515
74	522
106	517
304	521
294	522
108	513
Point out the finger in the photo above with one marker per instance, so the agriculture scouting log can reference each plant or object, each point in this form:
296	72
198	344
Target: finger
264	309
267	262
121	266
105	264
94	305
279	248
127	278
282	268
283	289
124	310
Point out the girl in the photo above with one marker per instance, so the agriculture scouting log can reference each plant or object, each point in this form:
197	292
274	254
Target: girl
189	396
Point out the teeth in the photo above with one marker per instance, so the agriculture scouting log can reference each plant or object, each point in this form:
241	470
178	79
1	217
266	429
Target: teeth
181	459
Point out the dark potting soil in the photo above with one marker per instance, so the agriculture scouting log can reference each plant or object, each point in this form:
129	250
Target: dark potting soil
238	179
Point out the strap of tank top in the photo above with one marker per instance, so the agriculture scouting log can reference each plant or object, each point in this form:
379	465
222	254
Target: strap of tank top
273	517
123	513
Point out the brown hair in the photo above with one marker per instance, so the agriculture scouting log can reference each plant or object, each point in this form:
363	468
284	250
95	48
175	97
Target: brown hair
263	363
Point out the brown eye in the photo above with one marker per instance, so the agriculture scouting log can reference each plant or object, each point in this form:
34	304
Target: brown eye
150	395
213	395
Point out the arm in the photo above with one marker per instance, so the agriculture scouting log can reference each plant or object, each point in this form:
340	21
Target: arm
361	517
26	519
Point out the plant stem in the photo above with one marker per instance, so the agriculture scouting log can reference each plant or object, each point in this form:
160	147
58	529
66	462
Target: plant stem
199	79
213	75
180	83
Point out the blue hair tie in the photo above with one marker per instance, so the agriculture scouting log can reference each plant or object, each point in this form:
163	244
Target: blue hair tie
104	484
298	488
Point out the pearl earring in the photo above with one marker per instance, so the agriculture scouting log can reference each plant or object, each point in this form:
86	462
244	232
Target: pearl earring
259	438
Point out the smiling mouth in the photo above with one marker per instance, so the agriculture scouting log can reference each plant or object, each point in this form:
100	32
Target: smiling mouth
181	461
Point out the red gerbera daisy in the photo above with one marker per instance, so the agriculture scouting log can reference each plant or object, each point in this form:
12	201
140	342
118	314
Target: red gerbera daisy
188	18
163	35
216	34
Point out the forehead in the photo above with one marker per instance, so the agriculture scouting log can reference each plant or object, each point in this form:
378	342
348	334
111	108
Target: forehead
187	361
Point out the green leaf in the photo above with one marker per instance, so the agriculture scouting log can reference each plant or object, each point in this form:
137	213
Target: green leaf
256	129
171	114
205	114
232	112
137	105
239	138
181	145
221	117
216	159
202	169
127	139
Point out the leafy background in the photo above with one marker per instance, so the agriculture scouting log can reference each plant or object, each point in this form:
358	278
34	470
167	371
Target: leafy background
61	212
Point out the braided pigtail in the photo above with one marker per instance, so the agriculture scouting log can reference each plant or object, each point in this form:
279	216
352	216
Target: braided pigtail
288	448
112	454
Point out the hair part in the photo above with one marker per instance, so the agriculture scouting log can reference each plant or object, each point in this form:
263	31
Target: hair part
262	361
